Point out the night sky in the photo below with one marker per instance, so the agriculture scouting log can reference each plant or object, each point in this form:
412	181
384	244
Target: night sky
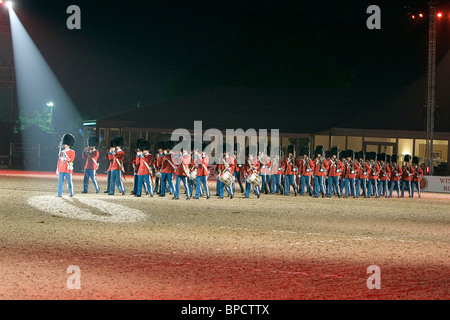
141	52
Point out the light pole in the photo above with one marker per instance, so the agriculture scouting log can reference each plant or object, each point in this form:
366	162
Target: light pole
431	96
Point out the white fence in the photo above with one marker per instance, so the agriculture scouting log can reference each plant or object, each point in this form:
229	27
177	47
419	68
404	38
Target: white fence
435	184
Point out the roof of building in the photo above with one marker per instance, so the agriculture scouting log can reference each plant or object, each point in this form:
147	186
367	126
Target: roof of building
295	110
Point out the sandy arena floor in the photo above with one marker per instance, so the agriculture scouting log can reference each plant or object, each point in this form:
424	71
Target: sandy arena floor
275	247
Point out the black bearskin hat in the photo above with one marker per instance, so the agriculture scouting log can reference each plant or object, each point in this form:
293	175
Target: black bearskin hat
93	142
291	148
68	139
407	158
415	160
381	157
371	155
305	151
169	144
119	142
138	143
359	155
160	145
144	145
319	150
334	151
394	158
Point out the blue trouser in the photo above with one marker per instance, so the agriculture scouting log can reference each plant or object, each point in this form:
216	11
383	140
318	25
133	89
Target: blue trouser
143	180
263	181
361	184
372	188
201	180
237	177
382	188
157	185
90	173
396	185
135	185
415	184
248	187
166	178
319	185
108	181
333	185
187	187
68	177
222	187
305	181
342	185
350	187
289	180
406	183
218	182
276	183
116	179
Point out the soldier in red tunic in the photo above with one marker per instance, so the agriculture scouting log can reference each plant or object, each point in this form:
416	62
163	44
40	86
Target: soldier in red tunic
90	154
64	167
320	171
334	171
144	160
373	173
385	175
117	169
408	172
396	173
417	176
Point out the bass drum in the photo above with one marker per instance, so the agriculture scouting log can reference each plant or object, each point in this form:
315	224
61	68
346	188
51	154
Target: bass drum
193	175
226	178
254	179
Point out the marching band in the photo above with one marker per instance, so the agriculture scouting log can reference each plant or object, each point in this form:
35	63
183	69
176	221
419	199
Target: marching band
328	173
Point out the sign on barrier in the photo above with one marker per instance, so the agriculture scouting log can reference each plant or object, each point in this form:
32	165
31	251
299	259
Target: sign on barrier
435	184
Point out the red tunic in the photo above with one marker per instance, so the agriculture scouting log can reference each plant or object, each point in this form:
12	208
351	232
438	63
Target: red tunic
91	159
396	173
351	170
117	159
385	173
320	169
144	161
408	172
167	165
335	168
374	171
65	161
418	173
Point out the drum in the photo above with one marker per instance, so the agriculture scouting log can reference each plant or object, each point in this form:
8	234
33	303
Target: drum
254	179
227	178
193	175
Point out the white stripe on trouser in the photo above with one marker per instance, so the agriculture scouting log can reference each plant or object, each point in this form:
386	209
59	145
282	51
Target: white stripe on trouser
121	182
71	183
323	184
95	180
186	186
206	186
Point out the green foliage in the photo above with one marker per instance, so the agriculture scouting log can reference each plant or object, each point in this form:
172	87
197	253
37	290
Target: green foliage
41	117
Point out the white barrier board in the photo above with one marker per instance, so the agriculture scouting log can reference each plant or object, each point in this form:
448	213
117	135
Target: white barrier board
435	184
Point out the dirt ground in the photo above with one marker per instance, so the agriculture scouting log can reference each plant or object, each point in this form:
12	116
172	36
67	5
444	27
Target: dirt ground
276	247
